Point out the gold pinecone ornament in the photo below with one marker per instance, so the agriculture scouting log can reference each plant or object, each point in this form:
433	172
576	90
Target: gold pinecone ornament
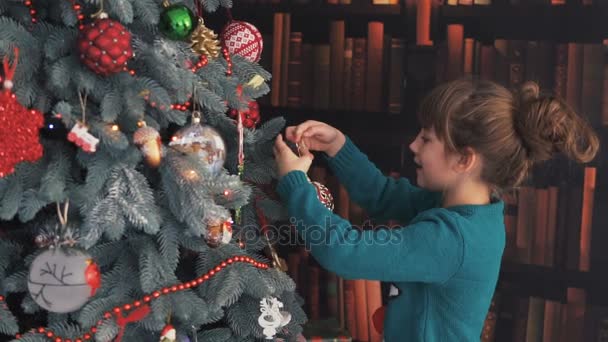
205	41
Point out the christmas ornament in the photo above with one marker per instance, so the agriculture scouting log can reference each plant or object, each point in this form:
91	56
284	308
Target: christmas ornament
324	195
168	334
203	141
139	308
242	38
140	312
204	41
80	132
218	233
177	21
255	82
250	117
148	141
63	279
80	136
272	318
105	46
19	126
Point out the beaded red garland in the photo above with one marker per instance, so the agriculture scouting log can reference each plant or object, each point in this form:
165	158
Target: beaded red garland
242	38
119	310
226	54
105	46
202	62
77	8
32	10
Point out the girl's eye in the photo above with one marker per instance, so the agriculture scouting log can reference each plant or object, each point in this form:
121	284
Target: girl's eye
425	140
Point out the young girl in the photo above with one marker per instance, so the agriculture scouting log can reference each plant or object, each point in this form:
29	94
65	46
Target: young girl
477	139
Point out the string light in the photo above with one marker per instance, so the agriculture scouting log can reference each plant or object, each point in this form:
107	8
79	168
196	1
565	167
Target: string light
115	128
118	310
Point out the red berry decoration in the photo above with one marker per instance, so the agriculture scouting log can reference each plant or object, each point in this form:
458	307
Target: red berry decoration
242	38
250	117
105	46
19	126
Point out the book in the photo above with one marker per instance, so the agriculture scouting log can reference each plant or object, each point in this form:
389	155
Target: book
294	71
336	68
374	86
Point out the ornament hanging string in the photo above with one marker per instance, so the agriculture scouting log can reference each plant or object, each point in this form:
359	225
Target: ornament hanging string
63	216
101	14
83	106
229	15
199	8
9	69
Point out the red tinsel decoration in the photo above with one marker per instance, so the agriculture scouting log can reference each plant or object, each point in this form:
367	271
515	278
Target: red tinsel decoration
19	126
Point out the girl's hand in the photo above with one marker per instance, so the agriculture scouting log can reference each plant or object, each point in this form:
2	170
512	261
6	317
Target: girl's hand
317	136
288	161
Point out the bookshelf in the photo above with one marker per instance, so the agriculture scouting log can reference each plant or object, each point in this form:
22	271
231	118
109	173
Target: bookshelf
386	136
534	22
321	10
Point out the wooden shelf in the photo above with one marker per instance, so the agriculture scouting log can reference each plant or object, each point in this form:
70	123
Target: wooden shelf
551	283
320	10
566	23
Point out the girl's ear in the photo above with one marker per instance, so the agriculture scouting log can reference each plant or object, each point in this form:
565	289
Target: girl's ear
468	159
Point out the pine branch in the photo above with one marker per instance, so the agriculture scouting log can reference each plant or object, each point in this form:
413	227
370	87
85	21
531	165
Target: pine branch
8	322
242	318
12	197
61	41
147	11
167	239
216	335
120	9
111	105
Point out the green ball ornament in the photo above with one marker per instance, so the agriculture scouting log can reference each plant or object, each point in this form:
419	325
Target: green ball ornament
177	22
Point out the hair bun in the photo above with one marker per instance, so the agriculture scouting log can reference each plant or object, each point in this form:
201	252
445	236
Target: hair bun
529	92
533	122
547	125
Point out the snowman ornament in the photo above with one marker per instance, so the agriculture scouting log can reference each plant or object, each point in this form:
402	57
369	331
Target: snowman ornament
271	317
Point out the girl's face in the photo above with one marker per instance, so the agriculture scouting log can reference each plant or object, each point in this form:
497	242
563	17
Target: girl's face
435	168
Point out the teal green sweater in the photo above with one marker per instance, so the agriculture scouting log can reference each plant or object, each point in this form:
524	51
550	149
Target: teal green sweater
444	261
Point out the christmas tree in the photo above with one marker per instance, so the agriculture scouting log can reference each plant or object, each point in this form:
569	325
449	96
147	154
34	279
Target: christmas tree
134	175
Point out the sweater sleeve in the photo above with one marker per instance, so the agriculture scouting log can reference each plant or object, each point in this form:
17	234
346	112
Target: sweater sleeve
430	249
384	198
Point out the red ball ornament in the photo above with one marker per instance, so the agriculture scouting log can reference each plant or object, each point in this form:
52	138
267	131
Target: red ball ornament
242	38
19	126
105	46
250	117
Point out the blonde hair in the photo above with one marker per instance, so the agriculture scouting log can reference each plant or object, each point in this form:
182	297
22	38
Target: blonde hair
511	131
